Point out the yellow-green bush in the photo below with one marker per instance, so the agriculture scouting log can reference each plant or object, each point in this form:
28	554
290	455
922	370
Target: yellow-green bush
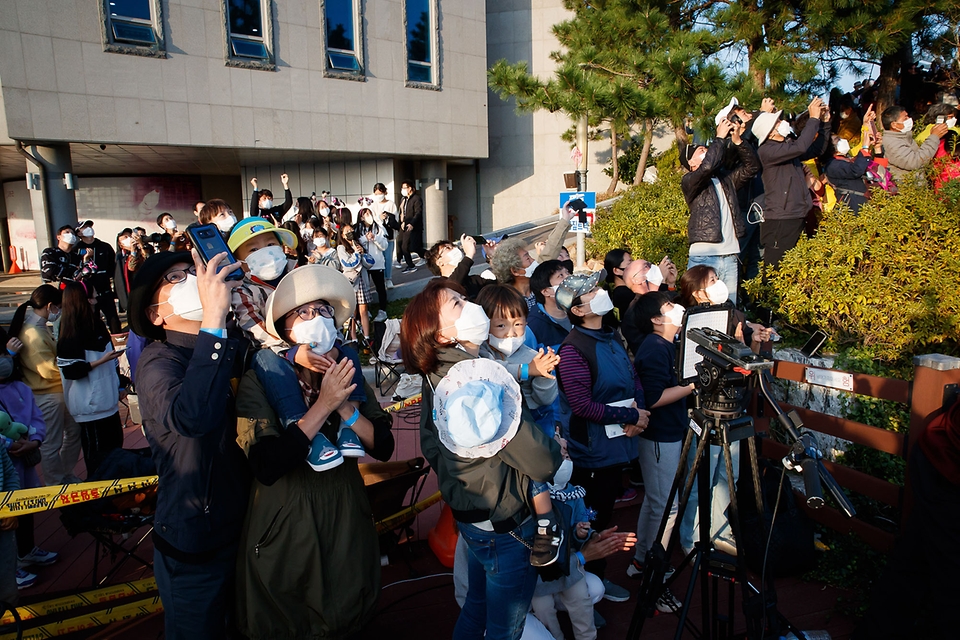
886	280
649	219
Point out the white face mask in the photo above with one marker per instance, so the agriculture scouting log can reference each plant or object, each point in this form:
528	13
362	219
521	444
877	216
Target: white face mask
907	125
528	272
951	122
324	212
563	474
266	204
320	333
554	289
844	116
126	243
170	224
453	257
225	224
267	263
601	304
69	238
87	232
675	315
784	128
368	220
473	325
185	299
53	317
718	292
506	346
655	276
843	147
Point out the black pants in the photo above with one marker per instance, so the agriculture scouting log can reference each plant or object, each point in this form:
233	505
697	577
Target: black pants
778	237
407	242
25	539
380	284
108	307
98	438
920	584
603	487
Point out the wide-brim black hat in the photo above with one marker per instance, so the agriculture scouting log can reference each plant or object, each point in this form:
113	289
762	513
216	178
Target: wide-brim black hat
141	292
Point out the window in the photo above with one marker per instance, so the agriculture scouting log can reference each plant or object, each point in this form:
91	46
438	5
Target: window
343	39
249	29
421	41
132	26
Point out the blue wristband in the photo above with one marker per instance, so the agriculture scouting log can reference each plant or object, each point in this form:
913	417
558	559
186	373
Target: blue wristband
582	560
217	333
352	420
524	372
13	354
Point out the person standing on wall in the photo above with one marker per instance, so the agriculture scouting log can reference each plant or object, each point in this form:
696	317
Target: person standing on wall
261	201
100	258
410	237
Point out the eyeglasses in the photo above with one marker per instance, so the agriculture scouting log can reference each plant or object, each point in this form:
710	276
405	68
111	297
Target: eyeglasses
179	275
311	312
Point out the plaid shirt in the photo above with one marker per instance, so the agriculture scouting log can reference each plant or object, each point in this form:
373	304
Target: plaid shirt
250	306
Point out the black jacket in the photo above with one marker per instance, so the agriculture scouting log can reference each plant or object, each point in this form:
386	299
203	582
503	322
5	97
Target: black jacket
104	257
56	264
472	284
847	178
411	212
786	194
189	417
275	213
701	197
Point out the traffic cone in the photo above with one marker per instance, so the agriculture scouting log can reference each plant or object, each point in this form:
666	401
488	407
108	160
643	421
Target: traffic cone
443	537
14	267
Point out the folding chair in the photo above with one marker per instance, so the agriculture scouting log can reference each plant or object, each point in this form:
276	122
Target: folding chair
388	484
388	366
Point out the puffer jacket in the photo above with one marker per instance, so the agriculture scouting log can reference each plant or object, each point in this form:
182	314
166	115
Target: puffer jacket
701	196
481	489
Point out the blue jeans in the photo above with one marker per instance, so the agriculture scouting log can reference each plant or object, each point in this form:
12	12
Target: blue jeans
388	257
197	598
500	583
281	385
726	268
720	497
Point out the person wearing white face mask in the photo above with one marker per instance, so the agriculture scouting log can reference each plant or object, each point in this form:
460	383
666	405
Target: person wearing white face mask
262	204
218	212
899	147
513	265
787	199
168	226
602	405
373	239
98	256
410	238
354	263
258	245
661	442
447	260
56	262
385	210
847	175
549	323
532	369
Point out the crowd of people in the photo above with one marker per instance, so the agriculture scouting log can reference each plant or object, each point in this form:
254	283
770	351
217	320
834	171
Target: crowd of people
546	391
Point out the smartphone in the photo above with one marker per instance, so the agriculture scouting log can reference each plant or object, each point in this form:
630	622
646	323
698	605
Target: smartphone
814	343
208	243
941	119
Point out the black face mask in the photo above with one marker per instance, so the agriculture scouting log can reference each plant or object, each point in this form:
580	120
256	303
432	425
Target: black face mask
348	235
568	264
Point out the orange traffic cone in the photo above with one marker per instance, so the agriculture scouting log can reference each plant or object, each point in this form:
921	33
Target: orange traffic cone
443	537
14	267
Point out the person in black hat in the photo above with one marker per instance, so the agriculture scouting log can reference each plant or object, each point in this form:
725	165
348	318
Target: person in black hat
189	417
100	258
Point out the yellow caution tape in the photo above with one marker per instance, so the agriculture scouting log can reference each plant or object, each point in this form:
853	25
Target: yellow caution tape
18	503
79	600
128	611
403	404
393	521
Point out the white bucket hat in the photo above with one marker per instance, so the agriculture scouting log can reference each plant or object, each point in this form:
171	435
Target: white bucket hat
726	110
763	124
477	408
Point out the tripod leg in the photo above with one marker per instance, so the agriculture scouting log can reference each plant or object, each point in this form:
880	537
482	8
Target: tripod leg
755	473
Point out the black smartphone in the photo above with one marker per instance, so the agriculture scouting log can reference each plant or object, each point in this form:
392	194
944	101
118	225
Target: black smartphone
814	343
207	240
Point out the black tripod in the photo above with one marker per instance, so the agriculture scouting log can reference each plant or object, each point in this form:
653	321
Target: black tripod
718	419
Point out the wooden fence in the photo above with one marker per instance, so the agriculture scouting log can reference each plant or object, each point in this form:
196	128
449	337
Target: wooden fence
935	378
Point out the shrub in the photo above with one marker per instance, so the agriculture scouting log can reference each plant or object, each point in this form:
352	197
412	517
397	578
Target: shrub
884	280
649	219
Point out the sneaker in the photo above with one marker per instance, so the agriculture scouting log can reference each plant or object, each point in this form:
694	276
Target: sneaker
349	444
668	603
323	455
38	557
598	620
389	283
409	269
421	262
614	592
381	316
629	494
25	579
635	570
546	542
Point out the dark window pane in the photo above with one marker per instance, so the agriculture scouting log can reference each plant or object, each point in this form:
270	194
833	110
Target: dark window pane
248	48
418	73
418	30
344	62
245	17
130	32
138	9
339	18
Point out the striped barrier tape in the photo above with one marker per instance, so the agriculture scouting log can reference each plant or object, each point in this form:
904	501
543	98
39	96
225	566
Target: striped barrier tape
80	600
403	404
24	501
128	611
391	522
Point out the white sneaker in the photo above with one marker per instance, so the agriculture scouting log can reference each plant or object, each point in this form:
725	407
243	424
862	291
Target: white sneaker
381	316
39	557
668	603
389	284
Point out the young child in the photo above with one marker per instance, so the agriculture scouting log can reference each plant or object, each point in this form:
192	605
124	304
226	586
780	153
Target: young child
323	253
578	591
661	442
354	262
507	312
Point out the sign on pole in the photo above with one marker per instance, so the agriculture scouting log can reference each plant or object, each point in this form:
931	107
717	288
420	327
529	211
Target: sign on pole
589	199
